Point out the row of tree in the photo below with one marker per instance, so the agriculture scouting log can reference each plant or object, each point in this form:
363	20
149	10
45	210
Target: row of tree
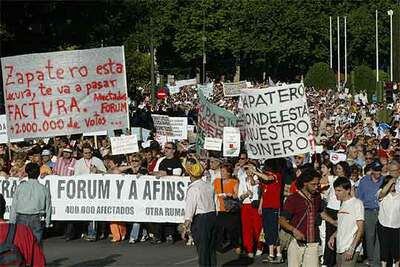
281	38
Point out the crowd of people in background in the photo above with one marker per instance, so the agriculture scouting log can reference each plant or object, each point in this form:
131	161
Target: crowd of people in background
311	209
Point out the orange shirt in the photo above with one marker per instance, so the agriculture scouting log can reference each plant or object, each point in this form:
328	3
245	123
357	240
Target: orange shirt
229	187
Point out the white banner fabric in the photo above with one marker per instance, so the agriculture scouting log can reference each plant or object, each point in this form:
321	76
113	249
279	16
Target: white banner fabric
111	197
66	92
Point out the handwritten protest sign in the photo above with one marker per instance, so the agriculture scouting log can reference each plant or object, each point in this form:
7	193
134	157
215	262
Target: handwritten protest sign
67	92
214	144
233	89
179	127
162	124
231	141
276	121
211	121
124	144
111	197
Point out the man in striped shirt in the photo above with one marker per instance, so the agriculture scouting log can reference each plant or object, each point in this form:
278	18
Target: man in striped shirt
65	165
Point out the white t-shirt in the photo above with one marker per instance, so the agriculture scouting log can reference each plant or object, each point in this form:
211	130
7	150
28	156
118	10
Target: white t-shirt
82	166
350	212
389	211
333	203
245	186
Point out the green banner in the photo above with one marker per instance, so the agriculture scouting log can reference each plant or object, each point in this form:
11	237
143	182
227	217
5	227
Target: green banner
211	121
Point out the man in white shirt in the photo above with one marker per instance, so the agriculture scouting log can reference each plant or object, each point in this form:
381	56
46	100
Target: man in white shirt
88	165
389	221
200	215
350	227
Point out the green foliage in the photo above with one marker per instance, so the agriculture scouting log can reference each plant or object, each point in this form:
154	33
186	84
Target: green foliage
137	69
364	80
320	76
383	76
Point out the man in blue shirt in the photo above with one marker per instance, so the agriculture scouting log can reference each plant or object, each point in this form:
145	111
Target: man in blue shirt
367	193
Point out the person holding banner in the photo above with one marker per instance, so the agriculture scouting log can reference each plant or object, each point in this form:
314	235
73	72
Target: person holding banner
118	229
200	217
86	165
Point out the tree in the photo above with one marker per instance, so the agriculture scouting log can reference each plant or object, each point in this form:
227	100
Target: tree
320	76
364	80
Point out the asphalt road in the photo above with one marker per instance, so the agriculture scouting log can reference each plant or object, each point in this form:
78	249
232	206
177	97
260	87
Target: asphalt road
103	253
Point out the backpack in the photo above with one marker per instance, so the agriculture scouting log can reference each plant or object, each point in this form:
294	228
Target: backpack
9	253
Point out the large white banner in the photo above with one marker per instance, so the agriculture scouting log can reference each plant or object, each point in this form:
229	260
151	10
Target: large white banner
276	121
67	92
111	197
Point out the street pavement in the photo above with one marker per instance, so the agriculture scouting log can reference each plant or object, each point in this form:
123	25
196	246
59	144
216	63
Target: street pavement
103	253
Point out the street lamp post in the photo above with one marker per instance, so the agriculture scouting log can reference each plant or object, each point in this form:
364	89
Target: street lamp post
390	13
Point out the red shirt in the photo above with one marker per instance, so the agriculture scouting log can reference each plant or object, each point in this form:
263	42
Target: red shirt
302	214
26	242
271	191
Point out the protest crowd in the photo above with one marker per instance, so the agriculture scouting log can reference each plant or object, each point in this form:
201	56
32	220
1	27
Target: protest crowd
338	204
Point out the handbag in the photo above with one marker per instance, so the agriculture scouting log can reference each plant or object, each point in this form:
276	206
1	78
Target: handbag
231	204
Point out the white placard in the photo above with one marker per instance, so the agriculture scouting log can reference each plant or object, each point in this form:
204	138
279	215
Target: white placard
214	144
337	157
138	132
3	129
179	127
182	83
65	92
99	133
233	89
145	134
111	197
162	124
231	142
124	144
276	121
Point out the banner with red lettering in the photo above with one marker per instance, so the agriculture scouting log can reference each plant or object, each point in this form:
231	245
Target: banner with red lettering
66	92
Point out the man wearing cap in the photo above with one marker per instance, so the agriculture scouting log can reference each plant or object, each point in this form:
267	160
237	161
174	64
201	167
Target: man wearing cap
200	217
46	159
65	166
367	193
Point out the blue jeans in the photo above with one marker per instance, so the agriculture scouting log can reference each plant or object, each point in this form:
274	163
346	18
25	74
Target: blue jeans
135	232
34	223
92	232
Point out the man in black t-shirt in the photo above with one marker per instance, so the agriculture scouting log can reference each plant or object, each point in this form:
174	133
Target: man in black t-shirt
170	165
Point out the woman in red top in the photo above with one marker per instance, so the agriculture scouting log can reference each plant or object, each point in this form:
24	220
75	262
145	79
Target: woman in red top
271	192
